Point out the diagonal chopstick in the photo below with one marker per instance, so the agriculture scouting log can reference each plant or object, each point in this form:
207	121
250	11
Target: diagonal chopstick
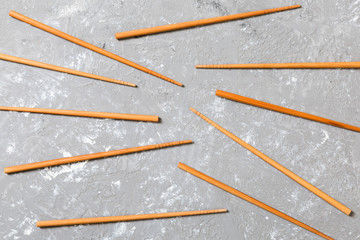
278	166
88	45
280	109
61	69
125	218
249	199
61	161
201	22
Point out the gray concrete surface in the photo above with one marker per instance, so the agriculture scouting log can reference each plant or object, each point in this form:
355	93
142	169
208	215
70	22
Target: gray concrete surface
326	156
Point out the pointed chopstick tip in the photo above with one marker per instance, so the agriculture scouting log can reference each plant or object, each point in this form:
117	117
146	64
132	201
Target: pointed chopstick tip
221	210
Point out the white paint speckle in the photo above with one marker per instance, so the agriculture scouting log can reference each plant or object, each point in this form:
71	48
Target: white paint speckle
28	225
10	149
86	139
11	234
36	187
116	184
120	229
71	9
324	139
73	169
65	153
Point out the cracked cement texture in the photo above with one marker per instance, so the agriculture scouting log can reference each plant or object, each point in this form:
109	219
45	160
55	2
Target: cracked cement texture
149	182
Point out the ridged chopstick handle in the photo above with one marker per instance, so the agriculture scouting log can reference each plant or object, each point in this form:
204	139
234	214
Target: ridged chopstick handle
60	161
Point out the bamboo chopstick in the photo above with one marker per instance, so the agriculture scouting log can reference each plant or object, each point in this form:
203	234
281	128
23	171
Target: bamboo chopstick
280	109
122	116
249	199
278	166
61	69
60	161
88	45
284	65
125	218
201	22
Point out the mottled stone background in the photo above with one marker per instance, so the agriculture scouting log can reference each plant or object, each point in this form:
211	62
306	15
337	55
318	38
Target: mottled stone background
328	157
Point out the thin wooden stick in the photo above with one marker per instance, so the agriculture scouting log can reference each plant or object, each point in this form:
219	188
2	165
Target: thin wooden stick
278	166
122	116
60	161
241	195
284	65
201	22
125	218
280	109
88	45
61	69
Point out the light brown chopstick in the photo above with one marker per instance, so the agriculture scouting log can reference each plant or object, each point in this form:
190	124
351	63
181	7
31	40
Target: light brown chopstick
60	161
88	45
284	65
201	22
61	69
121	116
125	218
280	109
249	199
278	166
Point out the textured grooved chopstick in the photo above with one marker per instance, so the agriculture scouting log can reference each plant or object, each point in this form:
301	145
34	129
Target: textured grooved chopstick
125	218
280	109
201	22
60	161
284	65
61	69
88	45
278	166
121	116
249	199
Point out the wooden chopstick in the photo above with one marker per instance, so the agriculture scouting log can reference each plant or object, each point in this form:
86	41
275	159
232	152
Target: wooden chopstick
278	166
284	65
88	45
61	69
201	22
122	116
60	161
248	198
280	109
125	218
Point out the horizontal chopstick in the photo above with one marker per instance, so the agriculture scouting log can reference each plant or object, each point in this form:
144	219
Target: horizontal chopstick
60	161
248	198
201	22
122	116
280	109
125	218
88	45
284	65
61	69
278	166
